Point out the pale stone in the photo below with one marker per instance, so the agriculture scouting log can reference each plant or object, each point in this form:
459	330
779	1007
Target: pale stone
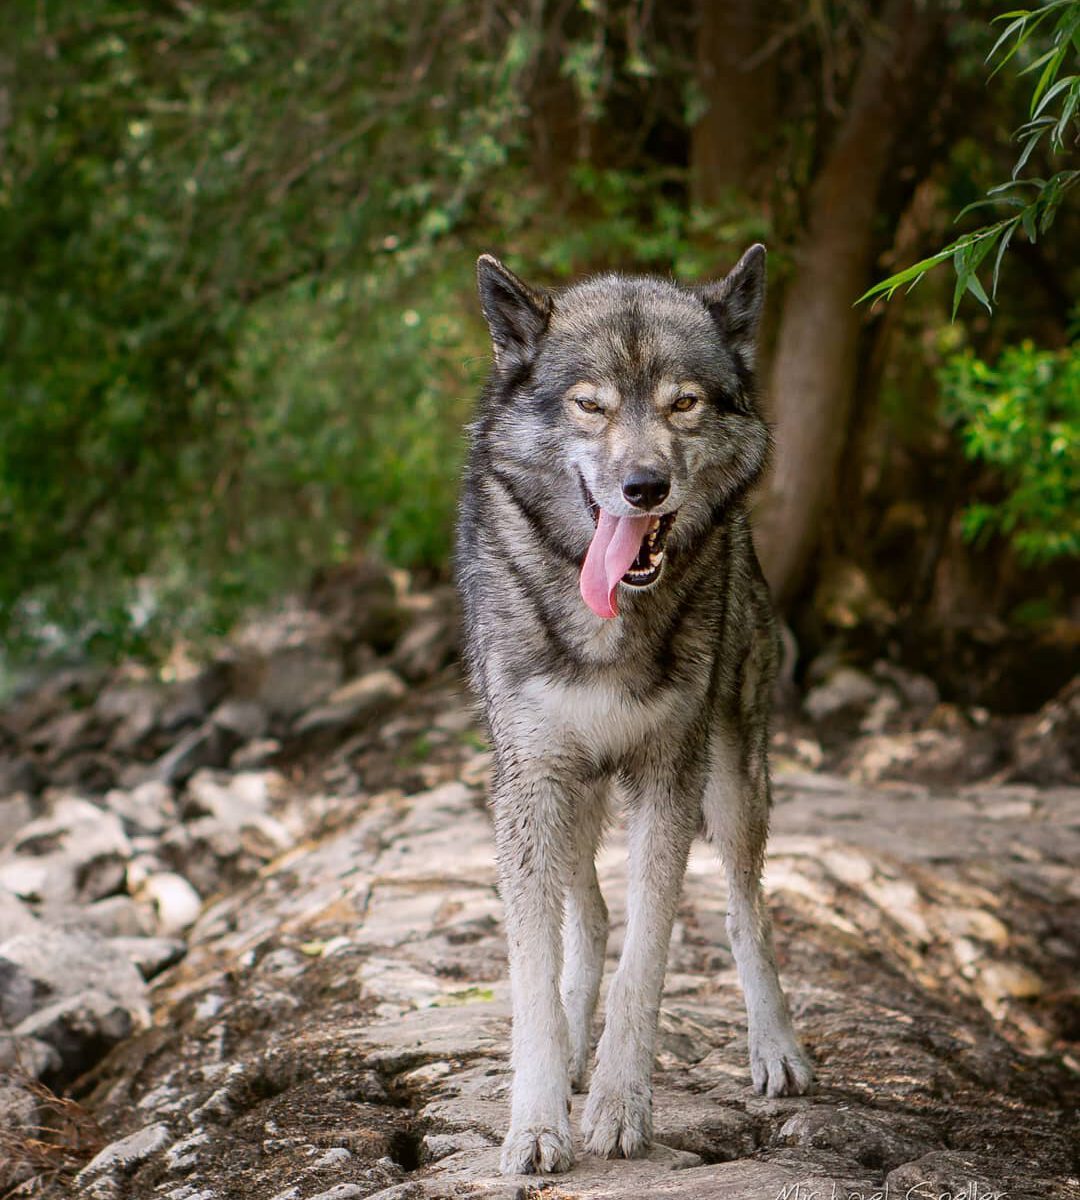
125	1153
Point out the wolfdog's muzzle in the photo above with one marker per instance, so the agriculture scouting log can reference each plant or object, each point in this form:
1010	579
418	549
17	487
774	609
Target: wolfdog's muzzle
626	550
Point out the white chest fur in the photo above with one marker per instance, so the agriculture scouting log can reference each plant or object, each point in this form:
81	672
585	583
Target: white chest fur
604	718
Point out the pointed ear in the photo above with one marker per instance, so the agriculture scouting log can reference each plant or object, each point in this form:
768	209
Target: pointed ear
736	301
517	314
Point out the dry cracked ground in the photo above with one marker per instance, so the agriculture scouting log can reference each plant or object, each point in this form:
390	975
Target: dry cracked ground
337	1025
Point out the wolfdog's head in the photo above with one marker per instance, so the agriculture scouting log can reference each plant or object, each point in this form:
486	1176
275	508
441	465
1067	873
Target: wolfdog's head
636	395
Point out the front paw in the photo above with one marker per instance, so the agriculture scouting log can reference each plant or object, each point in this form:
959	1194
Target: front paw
779	1066
537	1150
618	1120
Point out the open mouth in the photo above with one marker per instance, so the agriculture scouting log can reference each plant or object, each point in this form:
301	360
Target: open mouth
648	564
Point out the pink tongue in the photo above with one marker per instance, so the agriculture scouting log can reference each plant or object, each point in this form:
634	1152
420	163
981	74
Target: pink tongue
614	547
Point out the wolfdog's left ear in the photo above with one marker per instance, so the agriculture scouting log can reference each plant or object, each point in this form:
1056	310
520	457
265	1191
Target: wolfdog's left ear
517	314
736	301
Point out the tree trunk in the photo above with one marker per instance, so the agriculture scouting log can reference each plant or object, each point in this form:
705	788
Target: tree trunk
815	361
725	145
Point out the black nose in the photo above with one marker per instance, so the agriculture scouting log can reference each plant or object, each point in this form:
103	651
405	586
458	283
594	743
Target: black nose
645	489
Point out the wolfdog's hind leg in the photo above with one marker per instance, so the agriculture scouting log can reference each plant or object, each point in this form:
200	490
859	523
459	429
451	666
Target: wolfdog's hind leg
737	820
585	932
532	839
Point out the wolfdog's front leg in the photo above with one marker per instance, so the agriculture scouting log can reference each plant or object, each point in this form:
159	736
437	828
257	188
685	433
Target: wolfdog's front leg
531	834
618	1113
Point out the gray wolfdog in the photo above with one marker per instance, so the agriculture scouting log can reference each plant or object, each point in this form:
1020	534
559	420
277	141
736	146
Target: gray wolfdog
619	634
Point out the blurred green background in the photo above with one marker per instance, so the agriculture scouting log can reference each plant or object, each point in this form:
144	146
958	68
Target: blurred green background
240	338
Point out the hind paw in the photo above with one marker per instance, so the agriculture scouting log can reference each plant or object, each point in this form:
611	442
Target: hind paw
617	1122
537	1150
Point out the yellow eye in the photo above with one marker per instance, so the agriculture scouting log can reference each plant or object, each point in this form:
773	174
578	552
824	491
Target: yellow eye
587	405
684	403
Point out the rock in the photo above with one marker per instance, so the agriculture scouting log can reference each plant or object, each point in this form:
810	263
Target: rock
74	687
190	702
436	1146
360	601
15	916
356	703
427	647
228	828
244	719
74	855
89	772
917	691
61	963
66	733
18	1109
115	916
128	1151
352	997
293	678
81	1028
929	755
232	798
207	746
19	995
1046	747
176	903
20	774
187	1153
150	955
997	980
131	711
866	1138
846	692
25	1055
880	714
148	808
959	1174
15	812
845	597
259	753
20	1119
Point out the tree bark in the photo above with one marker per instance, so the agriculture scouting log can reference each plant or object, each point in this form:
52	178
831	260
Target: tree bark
815	362
725	143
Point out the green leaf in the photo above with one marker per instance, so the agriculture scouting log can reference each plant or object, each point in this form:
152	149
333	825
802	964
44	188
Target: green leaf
1040	61
1003	245
1048	76
1060	86
1025	154
1034	20
910	274
1019	23
1057	137
962	276
978	291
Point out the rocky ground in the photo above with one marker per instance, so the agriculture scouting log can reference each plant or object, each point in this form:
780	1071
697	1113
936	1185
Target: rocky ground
250	943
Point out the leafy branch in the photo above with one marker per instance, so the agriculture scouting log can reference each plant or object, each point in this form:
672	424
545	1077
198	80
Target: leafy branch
1053	112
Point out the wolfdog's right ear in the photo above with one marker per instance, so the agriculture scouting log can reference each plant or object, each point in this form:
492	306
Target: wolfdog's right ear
517	314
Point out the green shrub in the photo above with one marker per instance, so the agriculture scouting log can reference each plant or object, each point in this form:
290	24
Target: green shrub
1021	417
